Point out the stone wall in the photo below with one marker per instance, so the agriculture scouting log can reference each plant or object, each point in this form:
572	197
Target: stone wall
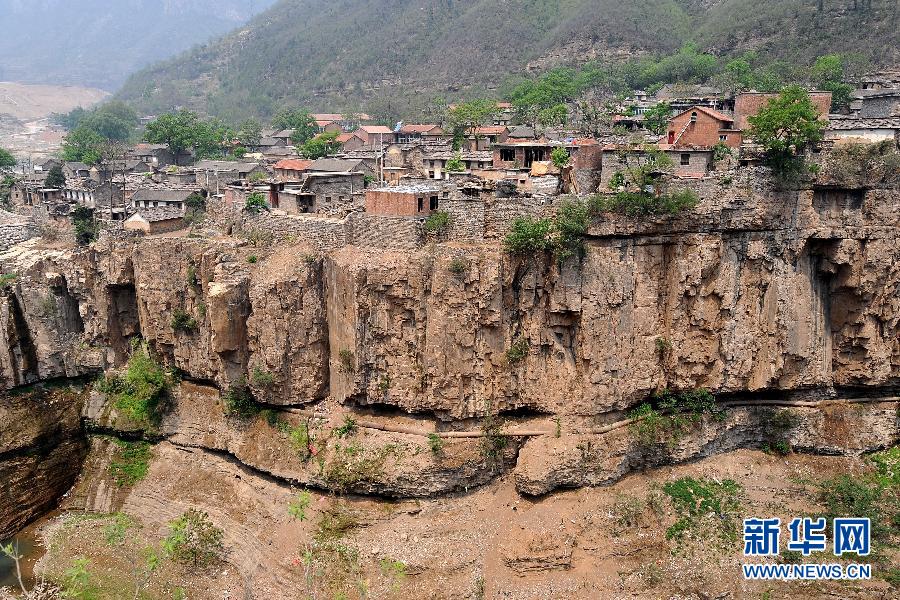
386	233
322	233
15	229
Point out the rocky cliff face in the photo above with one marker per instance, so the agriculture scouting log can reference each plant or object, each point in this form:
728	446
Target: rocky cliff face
41	449
759	294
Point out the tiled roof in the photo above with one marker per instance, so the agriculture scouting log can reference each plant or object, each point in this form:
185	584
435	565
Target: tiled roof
225	165
712	113
293	164
845	123
491	130
418	128
160	195
376	129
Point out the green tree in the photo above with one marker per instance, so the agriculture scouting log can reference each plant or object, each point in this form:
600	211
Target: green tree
455	164
55	179
298	119
7	160
785	127
249	133
554	116
827	73
83	145
321	146
175	130
656	119
466	118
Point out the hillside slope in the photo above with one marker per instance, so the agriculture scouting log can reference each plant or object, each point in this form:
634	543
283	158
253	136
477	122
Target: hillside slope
357	53
98	43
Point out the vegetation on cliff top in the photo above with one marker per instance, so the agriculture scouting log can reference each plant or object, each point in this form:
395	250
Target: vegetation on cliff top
253	71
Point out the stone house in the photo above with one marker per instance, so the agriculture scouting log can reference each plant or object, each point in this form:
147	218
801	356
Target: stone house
329	193
877	104
872	129
435	163
370	135
43	165
702	127
410	134
157	156
404	201
342	165
76	170
338	121
291	169
161	198
687	162
682	96
215	174
155	220
484	138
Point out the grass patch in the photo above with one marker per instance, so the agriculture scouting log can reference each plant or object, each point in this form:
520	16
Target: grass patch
435	443
347	361
262	378
704	506
458	266
7	278
130	462
194	540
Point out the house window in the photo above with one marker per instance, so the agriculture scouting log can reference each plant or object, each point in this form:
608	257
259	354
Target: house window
507	155
433	203
723	138
327	198
685	159
421	204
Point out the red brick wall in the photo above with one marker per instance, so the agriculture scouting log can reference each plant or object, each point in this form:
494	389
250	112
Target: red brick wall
705	132
401	204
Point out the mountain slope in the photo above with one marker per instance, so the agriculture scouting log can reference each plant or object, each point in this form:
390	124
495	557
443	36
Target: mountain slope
99	43
356	53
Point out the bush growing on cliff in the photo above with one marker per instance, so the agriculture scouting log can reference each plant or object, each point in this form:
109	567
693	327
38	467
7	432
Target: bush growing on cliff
517	351
437	223
183	322
239	402
194	540
142	391
563	234
528	236
640	204
670	414
86	228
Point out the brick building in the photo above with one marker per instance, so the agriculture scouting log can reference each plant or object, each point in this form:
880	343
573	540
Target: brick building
701	127
404	201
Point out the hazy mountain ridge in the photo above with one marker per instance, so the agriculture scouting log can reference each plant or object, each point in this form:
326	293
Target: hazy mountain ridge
99	43
351	52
